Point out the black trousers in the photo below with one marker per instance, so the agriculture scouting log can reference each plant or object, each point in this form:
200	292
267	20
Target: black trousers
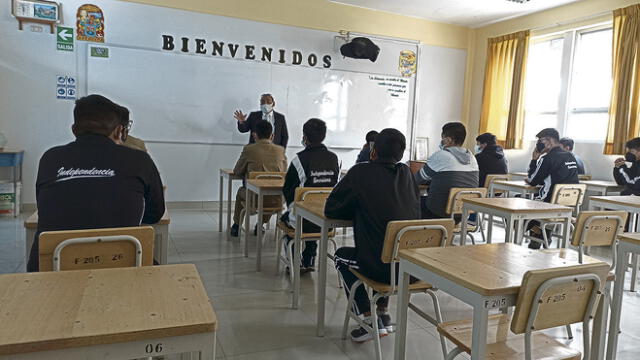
344	259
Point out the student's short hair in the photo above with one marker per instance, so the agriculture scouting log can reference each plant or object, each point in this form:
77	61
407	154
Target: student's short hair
95	114
633	143
487	138
390	143
549	133
263	129
315	130
371	136
568	142
456	131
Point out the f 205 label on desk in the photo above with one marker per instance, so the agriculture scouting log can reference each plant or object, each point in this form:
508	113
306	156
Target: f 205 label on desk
495	303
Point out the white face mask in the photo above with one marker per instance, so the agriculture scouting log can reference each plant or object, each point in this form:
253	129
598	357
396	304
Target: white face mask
441	146
302	142
266	108
477	149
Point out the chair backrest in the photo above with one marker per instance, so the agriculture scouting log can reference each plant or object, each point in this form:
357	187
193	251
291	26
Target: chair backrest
96	248
598	228
312	193
560	296
454	204
570	195
584	177
266	175
415	234
495	177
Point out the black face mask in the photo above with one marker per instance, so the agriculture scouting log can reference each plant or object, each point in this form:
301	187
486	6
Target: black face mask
539	146
629	157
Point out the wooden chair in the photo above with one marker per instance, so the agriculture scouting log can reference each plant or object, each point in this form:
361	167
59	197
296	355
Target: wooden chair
408	234
96	248
548	298
454	207
570	195
319	194
491	178
266	210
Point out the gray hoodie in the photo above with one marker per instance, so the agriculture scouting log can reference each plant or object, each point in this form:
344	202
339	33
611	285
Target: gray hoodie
452	167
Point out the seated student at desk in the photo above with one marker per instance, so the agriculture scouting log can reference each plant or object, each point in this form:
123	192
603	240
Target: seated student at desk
490	157
365	153
372	194
315	166
550	165
93	182
629	176
567	145
263	155
452	166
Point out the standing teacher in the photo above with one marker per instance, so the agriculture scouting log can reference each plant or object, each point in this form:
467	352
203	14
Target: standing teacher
245	124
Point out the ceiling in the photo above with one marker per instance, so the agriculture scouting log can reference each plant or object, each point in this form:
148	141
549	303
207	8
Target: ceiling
471	13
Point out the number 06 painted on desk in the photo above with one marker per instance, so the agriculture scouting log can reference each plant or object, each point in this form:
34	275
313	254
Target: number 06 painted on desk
153	348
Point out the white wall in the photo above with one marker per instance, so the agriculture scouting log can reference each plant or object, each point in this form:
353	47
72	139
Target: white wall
34	120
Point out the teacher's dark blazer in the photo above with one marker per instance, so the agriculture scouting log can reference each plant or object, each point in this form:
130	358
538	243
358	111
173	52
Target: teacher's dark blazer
280	132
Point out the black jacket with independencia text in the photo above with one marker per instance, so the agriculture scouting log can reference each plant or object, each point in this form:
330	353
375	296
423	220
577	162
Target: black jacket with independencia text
95	183
372	194
554	167
315	166
280	132
629	177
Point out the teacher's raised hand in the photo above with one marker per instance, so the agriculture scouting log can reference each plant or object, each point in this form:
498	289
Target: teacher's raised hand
238	115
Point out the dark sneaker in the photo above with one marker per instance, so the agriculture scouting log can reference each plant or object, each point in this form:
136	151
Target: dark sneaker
234	230
361	335
308	263
386	322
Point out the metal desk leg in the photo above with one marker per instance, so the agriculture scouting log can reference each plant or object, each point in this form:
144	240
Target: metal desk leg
296	262
259	226
509	230
322	277
401	317
220	191
634	272
479	337
616	304
565	232
463	231
519	231
247	221
229	188
490	229
600	324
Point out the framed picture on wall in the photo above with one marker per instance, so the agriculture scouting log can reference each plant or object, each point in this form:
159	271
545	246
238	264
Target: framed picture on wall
422	149
38	11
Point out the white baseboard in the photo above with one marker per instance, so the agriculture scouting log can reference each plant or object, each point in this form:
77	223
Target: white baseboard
175	205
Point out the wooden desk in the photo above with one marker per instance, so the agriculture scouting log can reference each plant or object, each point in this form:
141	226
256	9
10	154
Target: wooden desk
122	313
228	174
515	211
483	276
629	243
630	204
601	186
260	187
517	186
160	246
313	211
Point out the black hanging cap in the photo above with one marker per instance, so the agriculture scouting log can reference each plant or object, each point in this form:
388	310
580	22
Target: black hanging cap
360	48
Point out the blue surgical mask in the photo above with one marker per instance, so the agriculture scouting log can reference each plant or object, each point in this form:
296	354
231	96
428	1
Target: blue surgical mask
477	149
266	108
303	143
441	146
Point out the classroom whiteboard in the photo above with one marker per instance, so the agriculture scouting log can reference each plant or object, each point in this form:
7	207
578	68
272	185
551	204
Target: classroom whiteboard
191	98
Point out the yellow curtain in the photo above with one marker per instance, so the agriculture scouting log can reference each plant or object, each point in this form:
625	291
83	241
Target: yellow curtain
623	109
503	96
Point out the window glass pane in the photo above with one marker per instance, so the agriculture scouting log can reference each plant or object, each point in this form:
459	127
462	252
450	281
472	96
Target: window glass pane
591	78
536	122
587	126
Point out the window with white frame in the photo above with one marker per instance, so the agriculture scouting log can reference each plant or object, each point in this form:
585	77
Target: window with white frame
568	84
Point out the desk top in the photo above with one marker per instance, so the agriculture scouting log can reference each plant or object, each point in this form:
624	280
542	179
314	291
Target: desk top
516	205
32	221
55	310
602	183
632	238
314	207
267	184
229	173
625	200
493	269
516	183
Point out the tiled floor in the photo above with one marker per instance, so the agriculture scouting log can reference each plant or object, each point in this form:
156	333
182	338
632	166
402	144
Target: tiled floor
255	320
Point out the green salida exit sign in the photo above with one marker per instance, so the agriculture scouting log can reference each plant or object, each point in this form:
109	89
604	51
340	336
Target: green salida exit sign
64	38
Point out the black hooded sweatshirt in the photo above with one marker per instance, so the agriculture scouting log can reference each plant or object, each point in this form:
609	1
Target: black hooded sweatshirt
491	161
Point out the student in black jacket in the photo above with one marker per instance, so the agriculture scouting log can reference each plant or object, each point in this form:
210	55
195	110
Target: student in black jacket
365	153
629	176
372	194
549	166
94	182
276	119
490	157
315	166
